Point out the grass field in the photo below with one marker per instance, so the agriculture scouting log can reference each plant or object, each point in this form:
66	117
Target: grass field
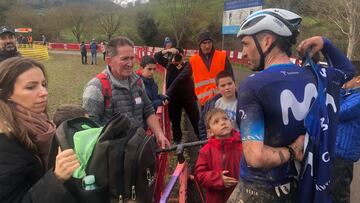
67	79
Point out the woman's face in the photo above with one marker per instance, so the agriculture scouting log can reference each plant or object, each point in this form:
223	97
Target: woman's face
30	90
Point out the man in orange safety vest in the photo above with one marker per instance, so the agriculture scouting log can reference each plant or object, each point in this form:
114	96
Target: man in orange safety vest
206	65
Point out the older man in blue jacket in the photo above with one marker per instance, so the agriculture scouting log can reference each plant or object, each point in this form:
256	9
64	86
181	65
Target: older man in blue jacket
347	138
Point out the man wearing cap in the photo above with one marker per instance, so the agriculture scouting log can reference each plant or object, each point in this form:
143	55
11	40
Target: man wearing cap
206	65
7	43
162	57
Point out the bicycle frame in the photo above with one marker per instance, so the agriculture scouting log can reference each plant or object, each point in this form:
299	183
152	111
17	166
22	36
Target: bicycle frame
181	173
162	159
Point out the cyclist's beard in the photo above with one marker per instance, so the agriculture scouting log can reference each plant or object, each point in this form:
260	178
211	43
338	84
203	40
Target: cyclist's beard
9	48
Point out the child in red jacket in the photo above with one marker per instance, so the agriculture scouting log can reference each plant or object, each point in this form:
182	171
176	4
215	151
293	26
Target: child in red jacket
217	167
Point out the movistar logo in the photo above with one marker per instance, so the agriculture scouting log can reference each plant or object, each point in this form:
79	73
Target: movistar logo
300	109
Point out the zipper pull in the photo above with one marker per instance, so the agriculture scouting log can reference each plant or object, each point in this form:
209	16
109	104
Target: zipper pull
133	193
149	177
148	174
120	199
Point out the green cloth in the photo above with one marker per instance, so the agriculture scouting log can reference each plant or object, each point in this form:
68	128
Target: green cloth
84	143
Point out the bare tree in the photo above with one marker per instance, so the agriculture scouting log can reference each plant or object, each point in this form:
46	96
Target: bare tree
78	28
5	5
77	18
180	13
346	16
109	24
20	15
52	22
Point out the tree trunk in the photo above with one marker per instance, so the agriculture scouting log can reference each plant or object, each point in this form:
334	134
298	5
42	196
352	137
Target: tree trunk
352	34
176	38
78	38
351	46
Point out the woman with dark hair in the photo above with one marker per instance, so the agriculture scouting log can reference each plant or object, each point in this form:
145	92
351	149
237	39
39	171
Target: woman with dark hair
25	136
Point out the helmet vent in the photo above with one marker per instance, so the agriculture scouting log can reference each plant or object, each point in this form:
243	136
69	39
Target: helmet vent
252	22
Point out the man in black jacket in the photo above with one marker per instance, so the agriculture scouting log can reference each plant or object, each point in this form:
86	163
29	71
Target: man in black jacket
7	43
180	90
83	52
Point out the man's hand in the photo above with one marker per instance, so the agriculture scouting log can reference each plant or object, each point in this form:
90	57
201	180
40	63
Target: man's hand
162	141
298	147
66	163
154	124
173	51
165	101
313	44
228	181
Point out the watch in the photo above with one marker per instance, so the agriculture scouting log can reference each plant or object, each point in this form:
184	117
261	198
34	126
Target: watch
291	152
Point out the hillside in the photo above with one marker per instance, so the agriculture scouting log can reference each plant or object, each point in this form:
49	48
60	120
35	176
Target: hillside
148	24
54	3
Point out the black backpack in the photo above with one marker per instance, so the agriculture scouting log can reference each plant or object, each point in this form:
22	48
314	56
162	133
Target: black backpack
123	161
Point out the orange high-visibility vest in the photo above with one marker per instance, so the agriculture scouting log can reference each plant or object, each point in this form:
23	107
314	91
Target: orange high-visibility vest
205	86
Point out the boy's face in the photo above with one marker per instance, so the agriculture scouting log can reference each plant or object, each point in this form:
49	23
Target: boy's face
148	71
220	126
226	87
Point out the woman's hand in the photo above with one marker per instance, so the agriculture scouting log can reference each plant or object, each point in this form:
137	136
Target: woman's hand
66	163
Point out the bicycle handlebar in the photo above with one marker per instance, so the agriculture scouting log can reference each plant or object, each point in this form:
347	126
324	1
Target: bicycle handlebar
182	145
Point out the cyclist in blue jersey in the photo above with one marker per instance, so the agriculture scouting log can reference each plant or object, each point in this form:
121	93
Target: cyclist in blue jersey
274	101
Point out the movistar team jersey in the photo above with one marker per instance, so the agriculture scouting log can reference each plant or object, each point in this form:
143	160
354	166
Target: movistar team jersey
273	104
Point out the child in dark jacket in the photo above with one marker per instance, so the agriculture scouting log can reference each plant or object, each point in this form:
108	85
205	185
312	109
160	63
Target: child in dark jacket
148	66
217	167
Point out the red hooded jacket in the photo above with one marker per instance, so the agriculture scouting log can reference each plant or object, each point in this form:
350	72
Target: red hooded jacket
216	156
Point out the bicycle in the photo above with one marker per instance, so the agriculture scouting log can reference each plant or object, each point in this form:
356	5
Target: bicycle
181	172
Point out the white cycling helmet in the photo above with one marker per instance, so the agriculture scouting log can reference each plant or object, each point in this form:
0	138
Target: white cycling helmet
279	21
282	23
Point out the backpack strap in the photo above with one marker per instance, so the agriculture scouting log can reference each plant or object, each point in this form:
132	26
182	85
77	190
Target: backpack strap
106	88
61	138
140	84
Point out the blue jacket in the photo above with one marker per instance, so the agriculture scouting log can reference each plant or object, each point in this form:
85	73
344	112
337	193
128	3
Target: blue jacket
152	92
93	47
348	132
208	105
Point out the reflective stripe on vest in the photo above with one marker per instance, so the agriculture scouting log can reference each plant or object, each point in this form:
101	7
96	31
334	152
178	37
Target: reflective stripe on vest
207	93
204	80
